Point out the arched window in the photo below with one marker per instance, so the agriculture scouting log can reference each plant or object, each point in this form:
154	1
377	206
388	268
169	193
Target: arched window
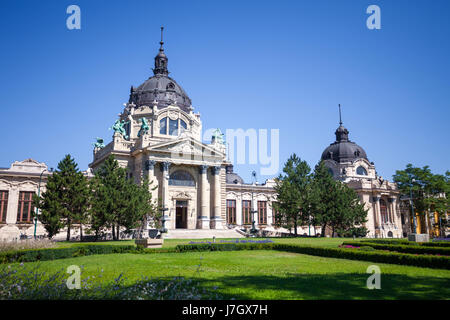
383	211
163	126
361	171
169	126
181	178
183	124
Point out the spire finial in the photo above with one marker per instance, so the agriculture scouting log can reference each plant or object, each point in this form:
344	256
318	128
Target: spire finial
340	117
161	59
161	42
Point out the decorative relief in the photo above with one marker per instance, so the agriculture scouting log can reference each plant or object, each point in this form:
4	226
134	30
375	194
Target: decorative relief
182	195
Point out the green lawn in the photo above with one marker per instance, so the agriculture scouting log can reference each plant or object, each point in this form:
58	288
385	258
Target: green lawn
268	274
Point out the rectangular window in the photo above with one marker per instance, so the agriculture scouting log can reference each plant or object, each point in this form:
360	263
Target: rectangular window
262	212
231	211
3	205
246	214
25	208
276	214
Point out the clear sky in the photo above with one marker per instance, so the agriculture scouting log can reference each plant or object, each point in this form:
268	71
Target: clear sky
245	64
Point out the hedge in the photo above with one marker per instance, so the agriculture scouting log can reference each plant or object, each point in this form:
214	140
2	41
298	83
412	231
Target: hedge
428	261
402	248
340	253
409	243
30	255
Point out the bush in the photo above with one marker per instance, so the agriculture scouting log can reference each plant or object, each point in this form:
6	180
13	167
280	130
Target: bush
409	243
375	256
62	253
404	248
366	248
340	253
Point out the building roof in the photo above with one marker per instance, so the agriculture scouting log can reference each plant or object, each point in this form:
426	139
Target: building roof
160	88
233	178
343	149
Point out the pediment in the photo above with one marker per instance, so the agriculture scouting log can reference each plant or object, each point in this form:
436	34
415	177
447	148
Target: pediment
186	146
27	166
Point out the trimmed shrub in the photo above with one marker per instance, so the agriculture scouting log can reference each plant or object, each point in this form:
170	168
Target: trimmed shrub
340	253
63	253
403	248
374	256
409	243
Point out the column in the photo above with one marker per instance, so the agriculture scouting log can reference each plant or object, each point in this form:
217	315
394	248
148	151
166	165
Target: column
216	220
204	217
239	210
13	202
377	217
165	193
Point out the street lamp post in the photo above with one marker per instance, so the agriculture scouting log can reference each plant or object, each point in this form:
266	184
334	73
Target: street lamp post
253	230
39	194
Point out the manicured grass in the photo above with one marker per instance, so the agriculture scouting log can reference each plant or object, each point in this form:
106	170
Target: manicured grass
267	274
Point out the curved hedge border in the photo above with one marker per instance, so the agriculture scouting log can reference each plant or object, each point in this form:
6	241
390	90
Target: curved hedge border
30	255
340	253
408	243
402	248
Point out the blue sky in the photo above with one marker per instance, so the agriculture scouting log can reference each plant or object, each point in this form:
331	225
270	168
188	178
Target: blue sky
245	64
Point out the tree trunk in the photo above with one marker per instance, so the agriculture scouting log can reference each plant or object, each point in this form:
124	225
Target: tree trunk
118	232
114	232
68	230
324	227
295	228
81	232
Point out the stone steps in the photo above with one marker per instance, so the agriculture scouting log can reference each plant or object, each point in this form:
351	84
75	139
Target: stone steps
201	234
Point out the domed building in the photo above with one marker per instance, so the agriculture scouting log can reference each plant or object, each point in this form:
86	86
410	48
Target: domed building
348	162
158	135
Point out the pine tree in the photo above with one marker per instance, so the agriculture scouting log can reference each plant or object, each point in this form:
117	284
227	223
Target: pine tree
119	202
322	187
335	205
65	199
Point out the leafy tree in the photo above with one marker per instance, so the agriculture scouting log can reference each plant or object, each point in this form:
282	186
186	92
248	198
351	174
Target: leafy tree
65	199
292	207
430	192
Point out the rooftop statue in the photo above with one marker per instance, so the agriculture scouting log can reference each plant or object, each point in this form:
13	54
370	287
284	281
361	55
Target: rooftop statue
99	144
119	126
144	127
217	136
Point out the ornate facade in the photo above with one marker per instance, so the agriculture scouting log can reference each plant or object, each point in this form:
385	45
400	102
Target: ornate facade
18	184
348	162
158	135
